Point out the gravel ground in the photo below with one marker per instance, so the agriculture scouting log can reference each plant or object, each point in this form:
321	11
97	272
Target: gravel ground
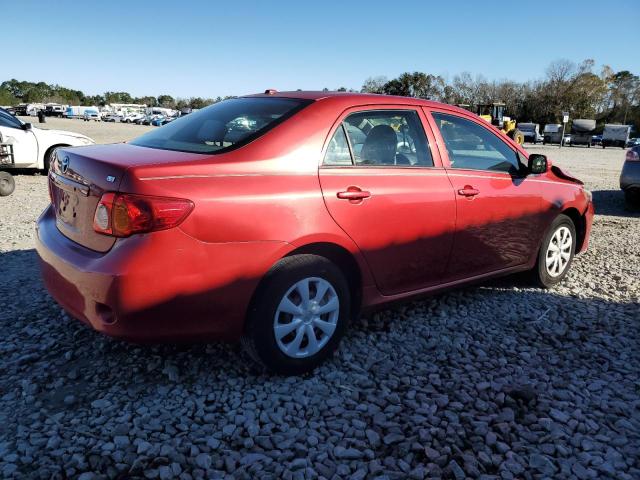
495	381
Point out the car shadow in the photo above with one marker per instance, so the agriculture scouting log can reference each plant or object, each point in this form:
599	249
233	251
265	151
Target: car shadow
518	340
611	203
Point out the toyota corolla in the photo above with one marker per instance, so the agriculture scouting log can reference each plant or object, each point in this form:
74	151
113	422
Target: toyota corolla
276	218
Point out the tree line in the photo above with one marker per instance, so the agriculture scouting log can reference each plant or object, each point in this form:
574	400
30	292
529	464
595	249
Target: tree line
606	95
14	91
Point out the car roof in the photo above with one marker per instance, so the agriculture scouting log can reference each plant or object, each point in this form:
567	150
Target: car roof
356	98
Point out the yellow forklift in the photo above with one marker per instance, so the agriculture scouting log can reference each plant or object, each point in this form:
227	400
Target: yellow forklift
494	114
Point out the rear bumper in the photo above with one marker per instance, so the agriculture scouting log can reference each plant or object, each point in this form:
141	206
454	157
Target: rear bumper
164	286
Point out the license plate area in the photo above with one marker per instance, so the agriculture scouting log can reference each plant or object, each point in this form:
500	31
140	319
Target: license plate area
70	201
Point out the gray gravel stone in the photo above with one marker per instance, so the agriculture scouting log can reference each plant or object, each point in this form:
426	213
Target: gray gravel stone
499	380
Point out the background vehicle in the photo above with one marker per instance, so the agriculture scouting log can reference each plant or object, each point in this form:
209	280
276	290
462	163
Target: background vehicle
552	133
111	117
567	140
20	110
582	131
91	115
34	108
530	132
630	178
596	139
494	114
79	111
632	142
615	135
33	147
158	120
300	241
132	117
54	110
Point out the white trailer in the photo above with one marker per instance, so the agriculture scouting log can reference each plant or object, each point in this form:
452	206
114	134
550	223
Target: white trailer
78	112
615	135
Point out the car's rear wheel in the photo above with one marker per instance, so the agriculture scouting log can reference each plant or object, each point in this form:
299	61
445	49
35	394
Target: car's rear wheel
7	184
556	253
298	315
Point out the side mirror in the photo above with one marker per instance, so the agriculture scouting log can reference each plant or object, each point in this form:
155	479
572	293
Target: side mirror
26	126
538	163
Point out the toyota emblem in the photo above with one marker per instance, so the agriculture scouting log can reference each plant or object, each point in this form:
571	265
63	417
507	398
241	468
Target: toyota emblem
64	165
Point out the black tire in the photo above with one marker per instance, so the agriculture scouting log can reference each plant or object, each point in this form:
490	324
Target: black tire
539	275
7	184
259	339
632	200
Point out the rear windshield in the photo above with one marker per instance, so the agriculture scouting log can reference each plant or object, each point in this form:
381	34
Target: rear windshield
223	126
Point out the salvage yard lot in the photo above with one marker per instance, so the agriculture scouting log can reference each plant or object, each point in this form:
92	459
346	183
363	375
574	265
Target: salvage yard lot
499	379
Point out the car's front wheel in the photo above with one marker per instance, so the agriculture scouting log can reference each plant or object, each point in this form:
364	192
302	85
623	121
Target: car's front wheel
298	316
556	253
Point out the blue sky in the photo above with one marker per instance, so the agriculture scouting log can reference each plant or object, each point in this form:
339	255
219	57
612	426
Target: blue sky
207	48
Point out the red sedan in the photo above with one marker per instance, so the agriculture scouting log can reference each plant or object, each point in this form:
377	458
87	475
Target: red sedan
276	218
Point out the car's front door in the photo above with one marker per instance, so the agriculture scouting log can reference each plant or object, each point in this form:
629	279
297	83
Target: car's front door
499	217
25	145
384	188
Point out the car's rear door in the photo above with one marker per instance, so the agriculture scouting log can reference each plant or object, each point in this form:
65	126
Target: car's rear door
499	217
387	191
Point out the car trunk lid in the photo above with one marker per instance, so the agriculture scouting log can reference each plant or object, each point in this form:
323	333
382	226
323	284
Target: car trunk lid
76	182
80	176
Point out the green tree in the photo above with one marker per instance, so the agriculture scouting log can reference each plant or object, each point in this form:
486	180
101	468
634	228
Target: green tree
117	97
7	98
374	84
166	101
416	84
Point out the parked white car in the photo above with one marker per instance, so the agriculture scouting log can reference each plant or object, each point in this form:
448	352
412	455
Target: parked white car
32	147
132	117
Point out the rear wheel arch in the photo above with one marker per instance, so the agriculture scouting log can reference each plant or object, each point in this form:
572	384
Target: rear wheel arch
46	159
336	254
580	224
345	261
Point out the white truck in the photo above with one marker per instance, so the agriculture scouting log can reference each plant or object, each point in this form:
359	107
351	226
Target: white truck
78	112
28	147
615	135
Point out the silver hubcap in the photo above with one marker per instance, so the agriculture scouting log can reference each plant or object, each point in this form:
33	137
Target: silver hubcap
306	317
559	251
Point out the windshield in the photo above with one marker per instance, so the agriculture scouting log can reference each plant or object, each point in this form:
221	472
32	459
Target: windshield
222	126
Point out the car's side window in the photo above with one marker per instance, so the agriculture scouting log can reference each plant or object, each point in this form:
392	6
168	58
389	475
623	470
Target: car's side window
387	138
472	146
338	153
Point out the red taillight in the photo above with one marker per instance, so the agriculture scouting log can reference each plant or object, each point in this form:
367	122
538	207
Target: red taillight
123	214
632	156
